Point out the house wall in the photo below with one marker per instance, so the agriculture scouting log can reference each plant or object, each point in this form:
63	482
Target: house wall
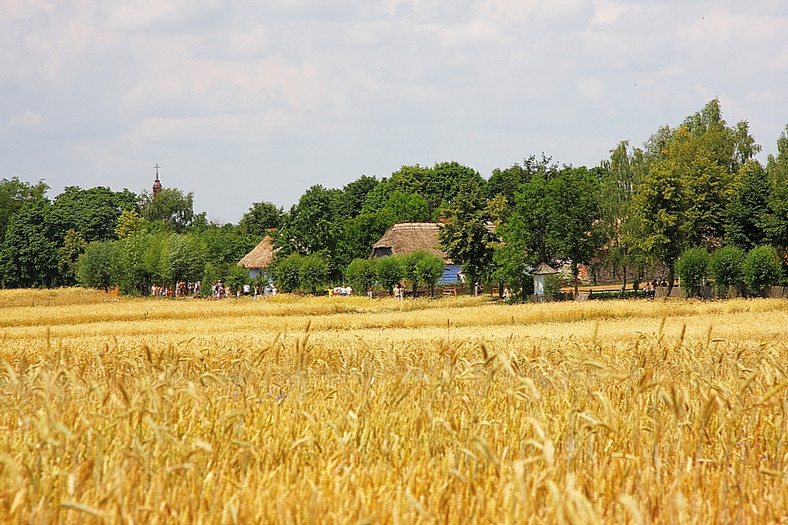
449	274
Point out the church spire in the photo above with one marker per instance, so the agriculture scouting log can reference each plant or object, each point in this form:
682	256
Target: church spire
156	183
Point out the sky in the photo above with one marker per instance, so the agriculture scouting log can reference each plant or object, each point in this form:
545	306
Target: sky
249	101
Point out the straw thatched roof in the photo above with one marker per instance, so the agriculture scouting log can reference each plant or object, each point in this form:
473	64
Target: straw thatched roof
407	237
261	257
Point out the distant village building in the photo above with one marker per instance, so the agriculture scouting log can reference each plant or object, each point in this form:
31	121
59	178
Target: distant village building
407	237
156	183
539	275
260	258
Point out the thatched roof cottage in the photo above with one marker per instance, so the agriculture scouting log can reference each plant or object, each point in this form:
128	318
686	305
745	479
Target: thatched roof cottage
260	258
407	237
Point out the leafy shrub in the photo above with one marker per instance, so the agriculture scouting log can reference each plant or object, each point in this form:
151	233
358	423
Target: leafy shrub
361	274
390	272
313	272
725	267
287	272
762	268
95	267
429	269
693	267
552	284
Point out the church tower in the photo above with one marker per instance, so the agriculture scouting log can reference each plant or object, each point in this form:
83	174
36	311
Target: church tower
156	183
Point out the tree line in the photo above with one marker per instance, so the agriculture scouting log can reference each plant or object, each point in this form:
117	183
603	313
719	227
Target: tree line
696	185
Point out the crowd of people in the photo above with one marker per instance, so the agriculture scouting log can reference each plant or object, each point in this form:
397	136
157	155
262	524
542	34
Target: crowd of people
181	289
340	290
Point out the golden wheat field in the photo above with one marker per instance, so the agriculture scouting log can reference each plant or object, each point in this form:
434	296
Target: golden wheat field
347	410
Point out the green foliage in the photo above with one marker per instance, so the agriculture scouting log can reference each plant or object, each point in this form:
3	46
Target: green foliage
313	273
409	264
354	195
173	208
404	207
362	274
139	262
129	222
313	225
510	267
183	259
552	284
775	219
692	267
429	269
762	268
745	216
226	243
464	236
96	266
93	213
390	272
29	253
287	272
68	254
260	218
725	267
360	233
13	195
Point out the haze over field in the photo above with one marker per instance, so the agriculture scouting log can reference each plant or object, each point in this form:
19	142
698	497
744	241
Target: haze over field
259	101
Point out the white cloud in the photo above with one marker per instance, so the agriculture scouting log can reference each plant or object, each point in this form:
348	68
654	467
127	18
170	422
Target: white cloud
592	88
27	120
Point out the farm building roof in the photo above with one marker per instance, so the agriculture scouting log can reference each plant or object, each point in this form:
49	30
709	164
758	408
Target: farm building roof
407	237
544	269
261	256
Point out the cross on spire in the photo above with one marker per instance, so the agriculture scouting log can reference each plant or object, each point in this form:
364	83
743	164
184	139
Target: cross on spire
156	183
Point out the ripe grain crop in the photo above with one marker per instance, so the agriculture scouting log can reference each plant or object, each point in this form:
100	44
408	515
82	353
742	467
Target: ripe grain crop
346	410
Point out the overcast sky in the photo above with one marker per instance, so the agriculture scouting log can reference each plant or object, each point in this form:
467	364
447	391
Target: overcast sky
259	100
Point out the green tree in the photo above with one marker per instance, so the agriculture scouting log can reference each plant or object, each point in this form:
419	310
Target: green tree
226	243
139	262
313	272
746	213
725	267
96	266
129	222
573	232
619	179
362	274
312	225
354	195
465	237
526	231
410	264
287	272
762	268
775	220
691	178
260	218
390	272
13	195
429	269
360	233
73	246
173	208
183	259
403	207
693	267
29	253
93	212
